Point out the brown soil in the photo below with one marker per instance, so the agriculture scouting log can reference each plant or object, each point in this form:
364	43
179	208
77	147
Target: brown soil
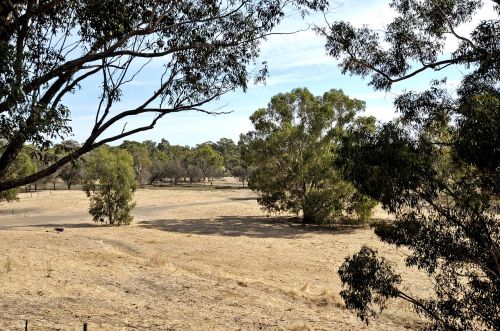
194	259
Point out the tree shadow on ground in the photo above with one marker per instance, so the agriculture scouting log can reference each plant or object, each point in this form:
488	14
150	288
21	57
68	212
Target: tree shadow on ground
235	226
243	198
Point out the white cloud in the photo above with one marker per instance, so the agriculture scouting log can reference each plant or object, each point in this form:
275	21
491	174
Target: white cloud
307	48
382	113
375	95
375	14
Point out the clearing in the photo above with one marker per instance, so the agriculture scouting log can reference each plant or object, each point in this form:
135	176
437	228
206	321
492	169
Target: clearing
193	259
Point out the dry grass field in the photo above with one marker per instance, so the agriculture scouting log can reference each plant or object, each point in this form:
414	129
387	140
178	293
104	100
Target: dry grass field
193	259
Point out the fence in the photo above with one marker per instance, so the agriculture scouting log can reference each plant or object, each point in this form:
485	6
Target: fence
85	326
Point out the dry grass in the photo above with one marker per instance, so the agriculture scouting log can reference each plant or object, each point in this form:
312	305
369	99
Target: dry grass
158	260
192	260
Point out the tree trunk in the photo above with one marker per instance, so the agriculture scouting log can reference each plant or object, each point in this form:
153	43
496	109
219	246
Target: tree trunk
307	216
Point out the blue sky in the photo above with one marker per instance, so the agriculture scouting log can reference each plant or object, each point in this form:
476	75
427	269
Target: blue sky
297	60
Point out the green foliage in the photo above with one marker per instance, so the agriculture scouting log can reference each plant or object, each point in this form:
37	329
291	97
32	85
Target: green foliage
70	173
208	160
23	165
174	170
367	280
194	173
293	149
242	173
142	160
110	185
229	152
436	167
206	48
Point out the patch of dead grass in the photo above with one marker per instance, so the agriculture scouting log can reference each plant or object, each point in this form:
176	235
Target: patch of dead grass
178	277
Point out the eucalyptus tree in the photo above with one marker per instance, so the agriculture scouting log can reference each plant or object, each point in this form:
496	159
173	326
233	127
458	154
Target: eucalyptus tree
51	48
229	151
207	160
142	160
23	165
71	173
437	168
292	150
110	184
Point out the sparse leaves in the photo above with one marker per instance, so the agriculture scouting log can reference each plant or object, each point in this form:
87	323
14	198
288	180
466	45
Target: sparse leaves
49	49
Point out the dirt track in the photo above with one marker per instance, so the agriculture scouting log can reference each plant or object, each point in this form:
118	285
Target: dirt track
192	260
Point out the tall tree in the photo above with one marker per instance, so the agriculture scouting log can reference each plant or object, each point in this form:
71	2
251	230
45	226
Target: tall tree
292	149
447	219
50	48
174	170
229	151
207	160
72	172
142	160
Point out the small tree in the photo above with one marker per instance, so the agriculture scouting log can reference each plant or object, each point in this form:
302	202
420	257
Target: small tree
71	173
110	185
194	173
174	171
242	173
52	178
229	151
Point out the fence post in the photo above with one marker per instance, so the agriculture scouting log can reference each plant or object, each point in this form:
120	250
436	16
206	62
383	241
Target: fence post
85	326
26	326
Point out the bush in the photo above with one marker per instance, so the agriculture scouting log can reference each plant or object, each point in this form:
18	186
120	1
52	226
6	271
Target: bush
110	186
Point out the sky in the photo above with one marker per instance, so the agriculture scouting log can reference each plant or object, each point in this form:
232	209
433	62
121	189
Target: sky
295	60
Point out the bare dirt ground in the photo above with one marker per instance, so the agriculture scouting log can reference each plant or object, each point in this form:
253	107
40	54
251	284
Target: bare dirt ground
192	260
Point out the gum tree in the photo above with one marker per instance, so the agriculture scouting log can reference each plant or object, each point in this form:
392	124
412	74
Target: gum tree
291	150
436	168
110	185
50	48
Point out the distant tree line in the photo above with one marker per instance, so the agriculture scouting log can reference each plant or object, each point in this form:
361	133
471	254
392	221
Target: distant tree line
153	163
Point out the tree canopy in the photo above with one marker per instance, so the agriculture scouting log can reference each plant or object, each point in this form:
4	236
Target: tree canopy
292	151
436	167
48	49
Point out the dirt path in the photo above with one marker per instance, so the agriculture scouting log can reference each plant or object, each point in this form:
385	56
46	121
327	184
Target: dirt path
79	218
